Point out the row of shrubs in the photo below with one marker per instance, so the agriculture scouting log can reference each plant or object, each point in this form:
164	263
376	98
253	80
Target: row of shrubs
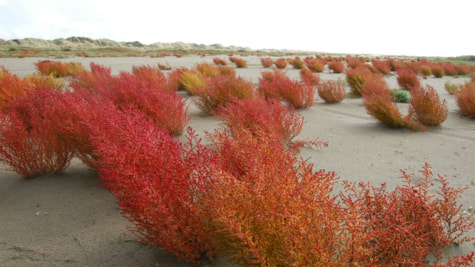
245	194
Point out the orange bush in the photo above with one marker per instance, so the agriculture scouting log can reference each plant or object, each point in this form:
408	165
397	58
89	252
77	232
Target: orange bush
238	62
385	228
151	74
58	69
267	62
332	91
378	104
219	61
277	85
11	87
356	78
466	99
425	70
427	107
382	66
315	65
308	77
336	66
220	90
268	117
438	71
297	63
407	79
268	207
280	63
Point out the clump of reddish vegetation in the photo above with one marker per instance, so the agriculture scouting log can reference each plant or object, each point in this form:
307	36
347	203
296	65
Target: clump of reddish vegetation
308	77
382	66
356	78
405	226
332	91
157	182
151	74
466	99
425	71
59	69
277	85
219	61
220	90
407	79
378	104
336	66
90	79
427	107
29	141
11	87
238	62
268	117
267	62
281	63
437	71
315	65
267	205
297	63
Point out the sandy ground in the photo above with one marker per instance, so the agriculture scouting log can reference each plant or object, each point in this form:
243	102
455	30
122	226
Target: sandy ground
69	220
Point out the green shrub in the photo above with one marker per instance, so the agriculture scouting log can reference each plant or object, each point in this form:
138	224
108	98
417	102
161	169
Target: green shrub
400	96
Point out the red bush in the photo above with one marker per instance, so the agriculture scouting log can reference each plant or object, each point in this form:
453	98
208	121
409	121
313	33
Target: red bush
315	65
266	88
332	91
336	66
267	62
270	117
277	85
151	74
356	78
466	99
308	77
427	107
166	109
407	79
382	66
280	63
157	182
29	143
239	62
90	79
220	90
219	61
404	226
378	104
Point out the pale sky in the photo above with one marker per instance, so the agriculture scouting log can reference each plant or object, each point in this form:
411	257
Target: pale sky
404	27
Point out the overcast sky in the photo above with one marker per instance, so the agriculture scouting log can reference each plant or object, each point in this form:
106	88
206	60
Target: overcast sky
404	27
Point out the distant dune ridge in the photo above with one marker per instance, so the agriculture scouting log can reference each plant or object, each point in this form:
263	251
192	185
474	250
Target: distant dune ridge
88	43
